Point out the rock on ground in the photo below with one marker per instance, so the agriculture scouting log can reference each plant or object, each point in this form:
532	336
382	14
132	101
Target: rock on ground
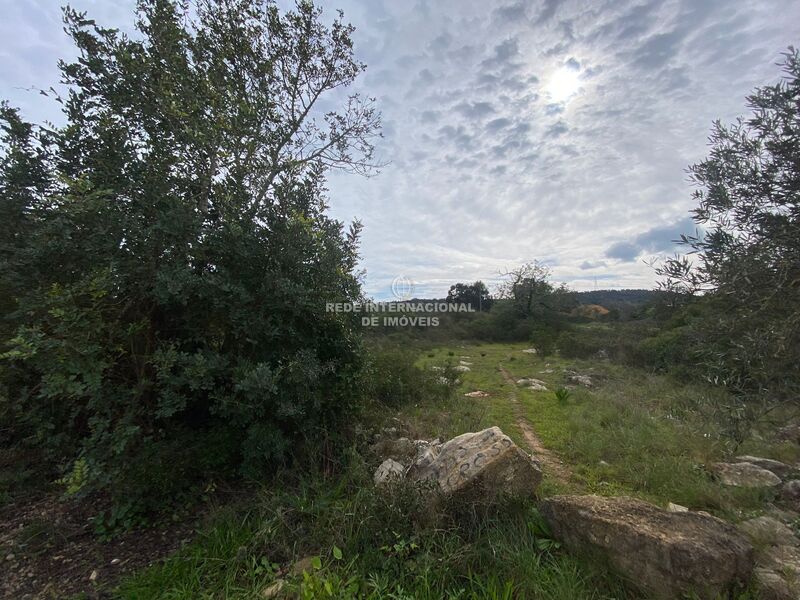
668	554
530	351
387	471
477	394
771	586
537	385
461	368
768	531
744	474
403	450
583	380
480	466
790	493
775	466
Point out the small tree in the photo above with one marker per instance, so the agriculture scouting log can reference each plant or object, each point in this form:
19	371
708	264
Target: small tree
746	264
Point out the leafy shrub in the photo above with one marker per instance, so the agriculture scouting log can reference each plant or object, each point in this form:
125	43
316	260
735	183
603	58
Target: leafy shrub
395	379
167	252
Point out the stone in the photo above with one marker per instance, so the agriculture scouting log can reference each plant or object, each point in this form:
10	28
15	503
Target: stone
531	351
305	564
768	531
477	394
94	575
389	470
790	493
274	589
775	466
667	554
461	369
583	380
783	558
771	586
479	466
744	474
790	433
529	381
464	363
403	450
676	508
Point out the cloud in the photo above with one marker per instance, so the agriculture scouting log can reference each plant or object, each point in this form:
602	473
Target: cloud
485	170
656	240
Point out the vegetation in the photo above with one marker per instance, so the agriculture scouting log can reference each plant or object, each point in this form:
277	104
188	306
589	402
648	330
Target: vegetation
166	259
166	255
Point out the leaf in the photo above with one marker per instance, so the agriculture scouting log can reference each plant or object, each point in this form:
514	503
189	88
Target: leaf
316	562
337	553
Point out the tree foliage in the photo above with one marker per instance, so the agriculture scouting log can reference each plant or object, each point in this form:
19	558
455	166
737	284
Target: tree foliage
476	295
166	255
745	262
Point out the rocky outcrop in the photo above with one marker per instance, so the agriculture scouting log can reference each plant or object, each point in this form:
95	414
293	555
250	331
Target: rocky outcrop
764	531
667	553
773	466
480	466
744	474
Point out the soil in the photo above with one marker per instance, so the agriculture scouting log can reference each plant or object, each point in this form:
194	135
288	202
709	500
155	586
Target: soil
48	549
550	461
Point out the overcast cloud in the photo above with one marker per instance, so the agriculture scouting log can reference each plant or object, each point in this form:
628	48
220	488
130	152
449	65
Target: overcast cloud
557	131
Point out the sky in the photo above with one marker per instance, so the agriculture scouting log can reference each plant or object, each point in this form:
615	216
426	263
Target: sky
513	131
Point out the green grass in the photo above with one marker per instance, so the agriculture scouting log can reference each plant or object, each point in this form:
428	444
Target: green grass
633	433
372	545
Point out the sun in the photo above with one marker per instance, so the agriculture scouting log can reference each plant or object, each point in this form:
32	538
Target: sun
564	84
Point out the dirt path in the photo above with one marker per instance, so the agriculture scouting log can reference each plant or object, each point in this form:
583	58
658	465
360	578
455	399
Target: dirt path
551	463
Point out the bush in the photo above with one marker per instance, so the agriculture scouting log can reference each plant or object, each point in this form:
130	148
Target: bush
395	380
167	263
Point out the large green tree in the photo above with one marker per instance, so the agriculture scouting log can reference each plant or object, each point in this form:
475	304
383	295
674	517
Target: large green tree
166	255
745	262
476	295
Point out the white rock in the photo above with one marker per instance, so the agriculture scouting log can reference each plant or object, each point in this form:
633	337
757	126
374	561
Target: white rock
387	471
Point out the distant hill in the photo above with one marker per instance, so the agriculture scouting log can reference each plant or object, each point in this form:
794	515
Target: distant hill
617	298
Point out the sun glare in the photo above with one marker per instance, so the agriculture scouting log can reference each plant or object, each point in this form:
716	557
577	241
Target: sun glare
564	84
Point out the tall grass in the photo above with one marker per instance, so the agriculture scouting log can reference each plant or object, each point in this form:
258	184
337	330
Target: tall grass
374	545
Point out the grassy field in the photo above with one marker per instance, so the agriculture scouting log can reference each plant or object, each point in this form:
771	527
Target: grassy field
632	432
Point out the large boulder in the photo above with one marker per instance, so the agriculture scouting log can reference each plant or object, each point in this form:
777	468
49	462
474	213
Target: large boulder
669	554
774	466
744	474
480	466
